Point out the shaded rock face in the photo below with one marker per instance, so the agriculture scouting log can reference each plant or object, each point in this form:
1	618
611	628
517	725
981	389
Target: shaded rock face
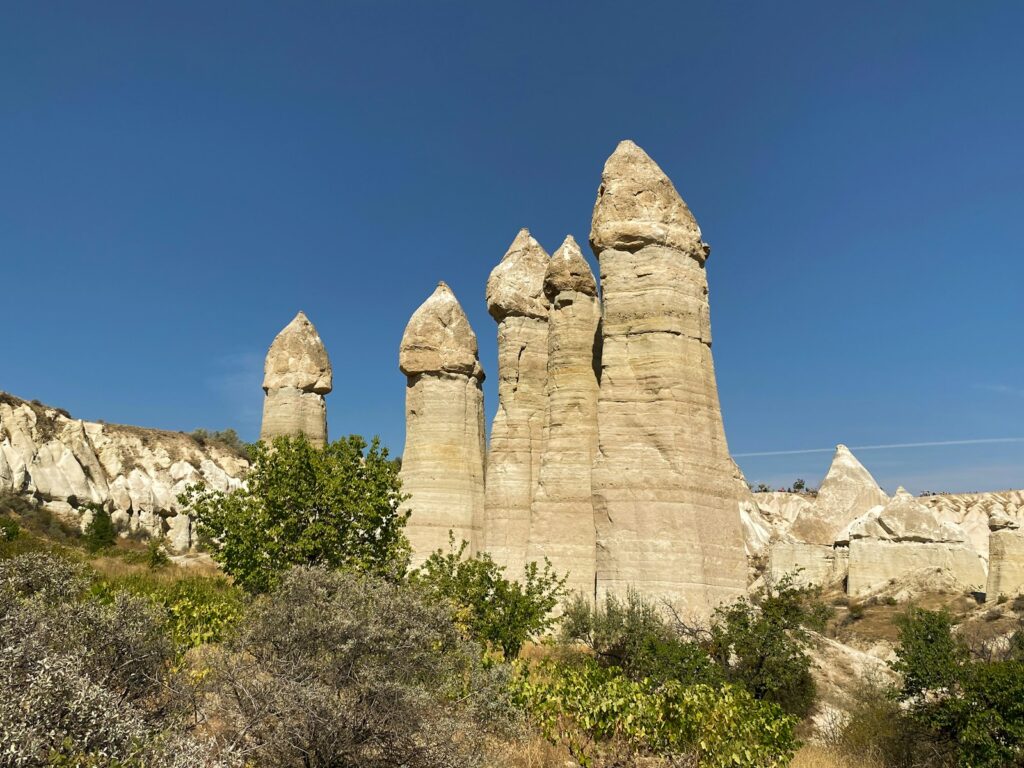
443	461
296	376
516	300
847	492
562	520
135	473
664	495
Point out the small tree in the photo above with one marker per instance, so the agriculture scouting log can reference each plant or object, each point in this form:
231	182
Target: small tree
99	532
498	612
799	485
337	506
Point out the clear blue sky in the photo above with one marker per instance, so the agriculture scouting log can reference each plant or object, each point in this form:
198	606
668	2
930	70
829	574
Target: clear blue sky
178	179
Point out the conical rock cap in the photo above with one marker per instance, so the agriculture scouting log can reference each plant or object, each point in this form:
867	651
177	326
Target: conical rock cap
637	205
439	338
569	271
516	285
297	358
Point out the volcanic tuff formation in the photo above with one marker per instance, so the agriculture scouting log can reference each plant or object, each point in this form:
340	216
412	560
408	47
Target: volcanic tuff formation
296	376
516	300
443	462
137	474
664	495
562	518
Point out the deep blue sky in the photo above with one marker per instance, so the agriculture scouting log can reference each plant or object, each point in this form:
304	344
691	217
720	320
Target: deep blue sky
178	179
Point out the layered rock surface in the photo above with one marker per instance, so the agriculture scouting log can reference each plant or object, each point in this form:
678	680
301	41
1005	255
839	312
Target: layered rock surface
296	376
443	461
664	496
892	542
517	301
1006	552
136	473
562	521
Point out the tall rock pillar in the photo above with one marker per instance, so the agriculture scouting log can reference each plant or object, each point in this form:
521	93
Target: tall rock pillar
443	461
296	376
562	520
516	300
664	496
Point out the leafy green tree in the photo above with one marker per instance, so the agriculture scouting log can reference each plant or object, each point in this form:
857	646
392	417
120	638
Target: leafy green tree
928	656
761	643
100	532
498	612
337	506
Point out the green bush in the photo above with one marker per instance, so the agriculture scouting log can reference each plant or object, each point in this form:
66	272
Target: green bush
196	609
605	719
100	533
9	529
761	643
337	506
156	555
498	613
974	710
631	634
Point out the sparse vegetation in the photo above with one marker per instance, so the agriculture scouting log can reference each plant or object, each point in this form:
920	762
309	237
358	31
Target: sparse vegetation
226	438
100	533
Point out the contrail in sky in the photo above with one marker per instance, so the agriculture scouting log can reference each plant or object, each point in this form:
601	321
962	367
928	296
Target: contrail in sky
933	444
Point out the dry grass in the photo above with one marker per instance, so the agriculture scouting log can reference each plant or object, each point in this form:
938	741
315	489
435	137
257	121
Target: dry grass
815	756
533	752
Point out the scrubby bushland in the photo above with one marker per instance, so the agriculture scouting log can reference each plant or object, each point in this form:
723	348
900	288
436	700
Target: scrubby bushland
972	710
758	643
337	506
84	682
228	438
498	612
606	719
347	669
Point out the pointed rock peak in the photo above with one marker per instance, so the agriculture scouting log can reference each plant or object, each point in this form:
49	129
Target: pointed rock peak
848	489
297	358
516	285
902	493
568	270
439	338
637	205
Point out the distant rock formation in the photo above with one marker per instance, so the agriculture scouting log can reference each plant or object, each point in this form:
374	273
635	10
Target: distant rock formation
516	300
65	464
443	461
846	493
892	542
665	503
1006	549
562	525
296	376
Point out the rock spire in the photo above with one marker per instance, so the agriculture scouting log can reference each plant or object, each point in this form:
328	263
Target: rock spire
443	461
516	300
664	495
562	520
296	376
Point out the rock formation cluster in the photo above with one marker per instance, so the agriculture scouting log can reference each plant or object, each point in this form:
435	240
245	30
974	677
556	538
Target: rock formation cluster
608	454
296	376
443	462
851	534
66	464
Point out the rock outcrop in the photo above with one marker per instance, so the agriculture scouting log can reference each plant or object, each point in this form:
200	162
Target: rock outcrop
296	376
517	301
66	464
665	503
846	493
892	542
1006	555
562	519
443	461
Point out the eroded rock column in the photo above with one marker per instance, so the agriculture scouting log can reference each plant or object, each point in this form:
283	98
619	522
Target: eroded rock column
443	461
516	300
296	376
562	521
665	506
